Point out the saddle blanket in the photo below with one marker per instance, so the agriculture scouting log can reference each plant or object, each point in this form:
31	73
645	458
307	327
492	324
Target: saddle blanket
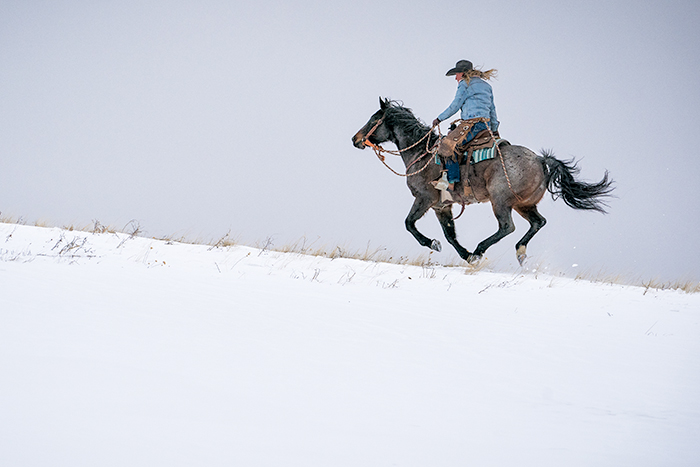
486	153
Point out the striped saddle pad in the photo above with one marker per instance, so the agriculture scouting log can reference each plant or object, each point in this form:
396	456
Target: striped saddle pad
486	153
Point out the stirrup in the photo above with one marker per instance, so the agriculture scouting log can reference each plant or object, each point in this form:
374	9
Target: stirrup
442	184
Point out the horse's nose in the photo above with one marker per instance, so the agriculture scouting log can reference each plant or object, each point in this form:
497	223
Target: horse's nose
358	141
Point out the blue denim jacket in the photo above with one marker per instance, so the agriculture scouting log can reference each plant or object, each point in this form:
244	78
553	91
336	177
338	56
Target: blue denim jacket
475	99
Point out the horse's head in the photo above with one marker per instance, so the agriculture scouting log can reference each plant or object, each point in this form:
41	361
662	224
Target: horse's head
375	130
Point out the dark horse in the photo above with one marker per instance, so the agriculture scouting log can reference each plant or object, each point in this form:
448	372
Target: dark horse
517	180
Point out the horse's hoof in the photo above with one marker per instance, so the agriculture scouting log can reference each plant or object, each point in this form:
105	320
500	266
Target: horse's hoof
435	245
474	259
520	254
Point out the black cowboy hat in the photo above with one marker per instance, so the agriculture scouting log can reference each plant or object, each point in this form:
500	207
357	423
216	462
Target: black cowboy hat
461	66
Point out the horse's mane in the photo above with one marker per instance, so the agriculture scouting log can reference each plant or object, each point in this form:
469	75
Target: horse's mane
402	117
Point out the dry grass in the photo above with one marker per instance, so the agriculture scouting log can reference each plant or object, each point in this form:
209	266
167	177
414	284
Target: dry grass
602	277
6	219
686	286
95	227
477	267
369	253
223	242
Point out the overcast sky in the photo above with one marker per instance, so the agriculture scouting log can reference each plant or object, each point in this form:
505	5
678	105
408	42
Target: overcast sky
202	117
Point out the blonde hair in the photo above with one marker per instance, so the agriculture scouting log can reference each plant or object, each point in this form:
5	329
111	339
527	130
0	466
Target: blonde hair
485	75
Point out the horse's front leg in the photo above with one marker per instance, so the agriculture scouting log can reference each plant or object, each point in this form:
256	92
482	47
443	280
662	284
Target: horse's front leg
447	223
419	208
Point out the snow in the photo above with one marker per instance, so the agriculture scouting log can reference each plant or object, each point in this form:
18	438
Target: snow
133	351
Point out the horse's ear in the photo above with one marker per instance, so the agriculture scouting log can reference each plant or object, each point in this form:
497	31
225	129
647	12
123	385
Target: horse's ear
383	103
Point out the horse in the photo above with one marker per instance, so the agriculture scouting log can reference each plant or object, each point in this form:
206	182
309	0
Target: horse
516	179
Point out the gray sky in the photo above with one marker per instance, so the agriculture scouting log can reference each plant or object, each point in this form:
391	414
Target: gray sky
202	117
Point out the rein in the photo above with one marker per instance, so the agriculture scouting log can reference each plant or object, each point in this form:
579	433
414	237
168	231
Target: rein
503	164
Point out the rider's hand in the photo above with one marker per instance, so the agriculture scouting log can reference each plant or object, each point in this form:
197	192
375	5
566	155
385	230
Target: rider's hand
436	122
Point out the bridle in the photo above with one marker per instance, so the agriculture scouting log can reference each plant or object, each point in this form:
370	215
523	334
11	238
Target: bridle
378	150
366	140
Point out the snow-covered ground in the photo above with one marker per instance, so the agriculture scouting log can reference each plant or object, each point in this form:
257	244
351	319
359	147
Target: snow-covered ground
118	351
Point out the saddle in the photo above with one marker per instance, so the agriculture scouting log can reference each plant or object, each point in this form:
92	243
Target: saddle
473	189
455	140
482	140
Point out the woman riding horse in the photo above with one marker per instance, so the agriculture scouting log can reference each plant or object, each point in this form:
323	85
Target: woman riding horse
475	98
515	180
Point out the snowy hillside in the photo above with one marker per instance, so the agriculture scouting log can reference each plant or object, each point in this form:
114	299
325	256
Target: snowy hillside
119	351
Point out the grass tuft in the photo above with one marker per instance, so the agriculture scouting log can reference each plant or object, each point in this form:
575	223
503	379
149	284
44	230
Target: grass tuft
224	242
686	286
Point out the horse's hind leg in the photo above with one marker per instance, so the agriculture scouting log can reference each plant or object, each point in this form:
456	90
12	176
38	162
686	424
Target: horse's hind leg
537	221
505	227
419	208
447	223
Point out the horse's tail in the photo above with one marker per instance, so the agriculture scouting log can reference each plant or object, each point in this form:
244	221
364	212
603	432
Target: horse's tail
561	183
